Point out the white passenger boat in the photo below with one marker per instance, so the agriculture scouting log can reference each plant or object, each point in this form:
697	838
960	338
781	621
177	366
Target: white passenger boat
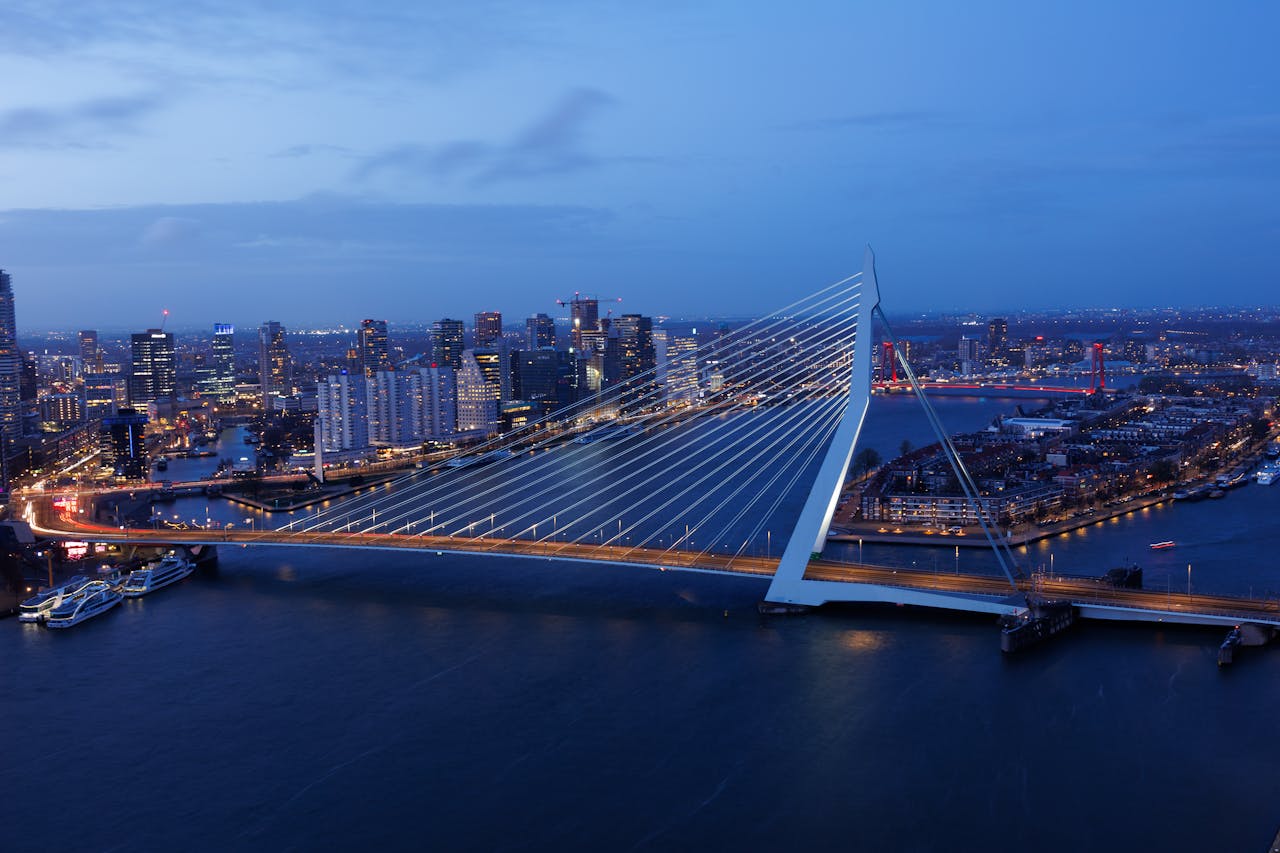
97	597
1266	475
37	608
173	568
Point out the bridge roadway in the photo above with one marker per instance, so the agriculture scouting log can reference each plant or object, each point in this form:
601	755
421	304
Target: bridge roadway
955	591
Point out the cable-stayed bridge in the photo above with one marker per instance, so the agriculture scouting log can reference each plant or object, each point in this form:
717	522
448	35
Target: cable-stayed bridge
729	458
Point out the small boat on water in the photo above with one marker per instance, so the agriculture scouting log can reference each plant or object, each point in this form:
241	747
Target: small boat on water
38	607
173	568
1266	475
97	597
1159	546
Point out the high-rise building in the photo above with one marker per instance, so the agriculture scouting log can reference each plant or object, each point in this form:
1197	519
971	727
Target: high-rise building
584	317
90	352
341	413
216	378
60	411
447	343
635	345
11	363
29	380
439	402
682	371
374	353
488	329
478	397
395	408
124	451
275	368
223	361
997	337
101	395
540	331
537	375
154	367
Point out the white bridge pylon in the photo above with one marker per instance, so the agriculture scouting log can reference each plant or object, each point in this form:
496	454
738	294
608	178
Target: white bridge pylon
810	533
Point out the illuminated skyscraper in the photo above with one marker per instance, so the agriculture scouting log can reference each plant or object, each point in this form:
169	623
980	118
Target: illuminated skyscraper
275	368
439	402
478	397
341	413
447	343
374	353
217	379
997	337
154	367
682	371
488	328
584	317
10	365
90	353
540	331
635	345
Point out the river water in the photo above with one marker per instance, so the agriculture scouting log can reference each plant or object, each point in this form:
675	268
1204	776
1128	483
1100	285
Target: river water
328	699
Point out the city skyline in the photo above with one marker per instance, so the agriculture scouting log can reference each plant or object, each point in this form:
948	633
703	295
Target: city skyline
528	153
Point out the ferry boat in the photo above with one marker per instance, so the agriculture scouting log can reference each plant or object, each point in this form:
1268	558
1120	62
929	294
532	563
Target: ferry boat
38	607
173	568
1158	546
98	597
1265	476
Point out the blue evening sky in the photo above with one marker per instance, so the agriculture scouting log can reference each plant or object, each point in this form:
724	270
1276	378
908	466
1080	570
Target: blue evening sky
322	160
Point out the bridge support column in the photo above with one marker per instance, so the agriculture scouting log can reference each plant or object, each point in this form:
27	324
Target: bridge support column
810	533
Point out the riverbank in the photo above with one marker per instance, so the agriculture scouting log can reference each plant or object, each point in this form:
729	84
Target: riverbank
289	501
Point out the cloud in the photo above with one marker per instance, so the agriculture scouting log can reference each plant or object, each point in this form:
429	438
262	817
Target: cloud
553	144
310	150
71	125
169	231
311	258
881	120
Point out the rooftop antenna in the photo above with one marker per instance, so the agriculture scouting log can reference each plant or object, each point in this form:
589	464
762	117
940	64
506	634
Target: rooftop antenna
164	318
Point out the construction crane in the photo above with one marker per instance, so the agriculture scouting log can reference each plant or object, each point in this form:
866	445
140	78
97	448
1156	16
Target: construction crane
578	297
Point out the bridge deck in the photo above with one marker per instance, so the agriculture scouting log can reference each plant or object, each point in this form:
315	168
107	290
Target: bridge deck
844	581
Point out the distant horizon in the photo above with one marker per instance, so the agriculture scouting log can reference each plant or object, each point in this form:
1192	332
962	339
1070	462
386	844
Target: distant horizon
515	323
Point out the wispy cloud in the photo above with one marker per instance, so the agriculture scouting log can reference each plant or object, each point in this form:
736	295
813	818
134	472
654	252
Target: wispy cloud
294	258
169	231
555	143
311	149
874	120
78	124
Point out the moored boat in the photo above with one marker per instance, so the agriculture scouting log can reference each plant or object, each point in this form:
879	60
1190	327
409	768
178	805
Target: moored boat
38	607
173	568
98	597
